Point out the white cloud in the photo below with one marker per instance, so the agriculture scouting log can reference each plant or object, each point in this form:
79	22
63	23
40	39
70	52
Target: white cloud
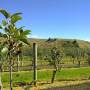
33	36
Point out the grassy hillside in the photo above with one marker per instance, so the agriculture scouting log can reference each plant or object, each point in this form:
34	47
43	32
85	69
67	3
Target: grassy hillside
51	42
58	42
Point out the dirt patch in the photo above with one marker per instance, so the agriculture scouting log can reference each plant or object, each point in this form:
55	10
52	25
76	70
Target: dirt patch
84	86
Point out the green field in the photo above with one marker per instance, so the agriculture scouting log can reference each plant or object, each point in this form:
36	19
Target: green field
45	75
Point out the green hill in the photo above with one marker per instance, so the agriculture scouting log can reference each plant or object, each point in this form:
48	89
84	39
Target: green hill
58	42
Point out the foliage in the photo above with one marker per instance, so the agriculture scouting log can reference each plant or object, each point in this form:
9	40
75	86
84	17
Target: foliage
13	36
56	57
70	44
88	60
51	39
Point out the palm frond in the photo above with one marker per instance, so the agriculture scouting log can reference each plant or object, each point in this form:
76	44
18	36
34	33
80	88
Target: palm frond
25	41
26	32
1	27
15	18
15	14
5	13
4	23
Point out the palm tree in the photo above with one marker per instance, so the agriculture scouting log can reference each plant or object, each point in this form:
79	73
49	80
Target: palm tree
14	37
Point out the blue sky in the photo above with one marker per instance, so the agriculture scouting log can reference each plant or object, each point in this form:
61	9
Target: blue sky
53	18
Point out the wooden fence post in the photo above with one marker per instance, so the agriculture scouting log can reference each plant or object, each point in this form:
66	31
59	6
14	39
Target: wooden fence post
35	63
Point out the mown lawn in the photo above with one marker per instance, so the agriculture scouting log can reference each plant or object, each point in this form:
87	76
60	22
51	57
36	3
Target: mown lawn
45	75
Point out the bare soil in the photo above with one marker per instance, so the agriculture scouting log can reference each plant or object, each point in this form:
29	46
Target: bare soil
84	86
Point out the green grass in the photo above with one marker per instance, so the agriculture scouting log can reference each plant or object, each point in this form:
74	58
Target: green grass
45	75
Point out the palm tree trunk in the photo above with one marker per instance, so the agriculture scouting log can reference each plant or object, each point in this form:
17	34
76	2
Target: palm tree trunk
0	84
10	75
53	76
78	63
0	81
73	60
18	63
21	59
10	72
